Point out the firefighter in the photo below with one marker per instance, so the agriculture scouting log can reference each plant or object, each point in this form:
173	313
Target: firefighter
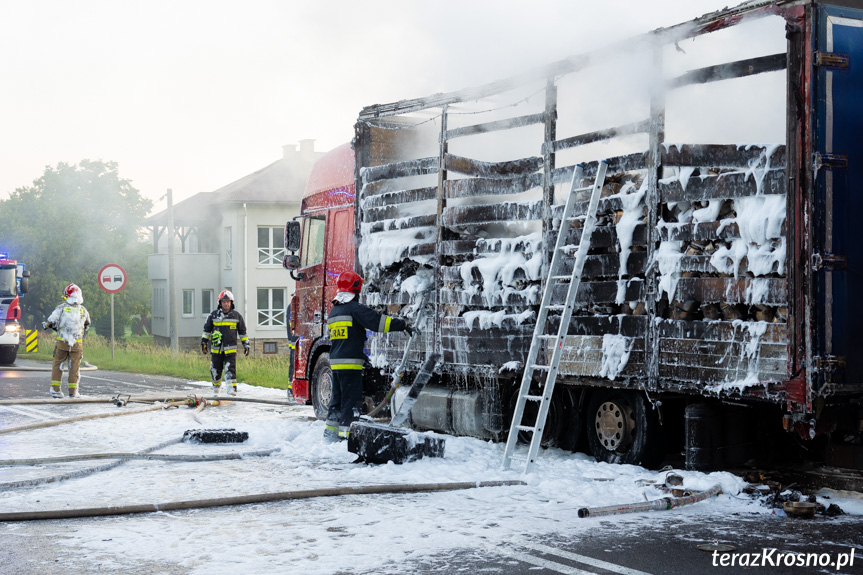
221	329
71	320
347	323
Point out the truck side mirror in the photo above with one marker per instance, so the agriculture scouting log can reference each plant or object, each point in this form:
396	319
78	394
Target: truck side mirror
291	262
25	282
292	236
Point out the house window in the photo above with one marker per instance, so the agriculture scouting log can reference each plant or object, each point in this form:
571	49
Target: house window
206	301
271	347
313	238
271	307
188	302
271	246
228	244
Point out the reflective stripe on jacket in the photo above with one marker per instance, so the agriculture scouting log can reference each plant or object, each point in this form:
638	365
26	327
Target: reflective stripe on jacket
347	326
229	325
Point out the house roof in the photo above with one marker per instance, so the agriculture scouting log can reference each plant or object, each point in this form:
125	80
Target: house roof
282	182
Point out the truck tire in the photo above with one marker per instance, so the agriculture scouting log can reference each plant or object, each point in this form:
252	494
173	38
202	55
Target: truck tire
572	436
621	427
555	421
322	386
8	354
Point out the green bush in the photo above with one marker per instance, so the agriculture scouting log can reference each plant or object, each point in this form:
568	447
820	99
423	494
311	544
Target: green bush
103	327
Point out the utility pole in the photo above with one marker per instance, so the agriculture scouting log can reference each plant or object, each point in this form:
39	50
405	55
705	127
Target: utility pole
172	278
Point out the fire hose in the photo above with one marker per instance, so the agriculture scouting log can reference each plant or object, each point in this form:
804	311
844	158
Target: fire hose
249	499
662	504
130	399
84	418
81	472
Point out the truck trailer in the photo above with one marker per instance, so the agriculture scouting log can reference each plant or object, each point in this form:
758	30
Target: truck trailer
716	314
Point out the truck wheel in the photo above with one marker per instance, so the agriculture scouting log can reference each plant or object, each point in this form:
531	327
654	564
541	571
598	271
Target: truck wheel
572	437
8	354
554	422
322	386
623	428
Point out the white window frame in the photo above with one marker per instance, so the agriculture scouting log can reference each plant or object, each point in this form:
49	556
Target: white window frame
274	318
228	238
206	310
191	301
272	254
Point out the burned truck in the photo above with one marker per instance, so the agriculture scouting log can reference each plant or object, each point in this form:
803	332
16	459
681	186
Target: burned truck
717	302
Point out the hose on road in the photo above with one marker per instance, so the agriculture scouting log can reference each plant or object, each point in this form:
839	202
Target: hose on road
248	499
132	399
139	455
81	472
84	418
663	504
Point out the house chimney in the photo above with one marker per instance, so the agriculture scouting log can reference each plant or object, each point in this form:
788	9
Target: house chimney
307	149
289	151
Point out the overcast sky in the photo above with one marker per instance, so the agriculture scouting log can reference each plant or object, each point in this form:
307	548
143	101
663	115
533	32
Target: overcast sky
192	95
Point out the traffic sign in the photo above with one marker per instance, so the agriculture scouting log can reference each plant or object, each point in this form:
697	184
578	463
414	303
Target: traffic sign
112	278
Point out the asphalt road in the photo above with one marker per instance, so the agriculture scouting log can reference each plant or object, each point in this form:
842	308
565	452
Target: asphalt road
663	545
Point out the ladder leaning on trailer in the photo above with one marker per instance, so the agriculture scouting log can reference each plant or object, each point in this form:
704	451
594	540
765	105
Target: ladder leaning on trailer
540	334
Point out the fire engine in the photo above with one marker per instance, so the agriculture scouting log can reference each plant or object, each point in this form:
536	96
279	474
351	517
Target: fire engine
14	282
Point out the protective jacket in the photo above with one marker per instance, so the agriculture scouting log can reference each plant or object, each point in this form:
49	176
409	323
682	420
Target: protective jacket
229	326
347	325
70	321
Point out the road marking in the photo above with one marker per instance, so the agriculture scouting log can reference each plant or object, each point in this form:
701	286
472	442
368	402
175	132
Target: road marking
30	412
580	558
539	562
123	382
145	386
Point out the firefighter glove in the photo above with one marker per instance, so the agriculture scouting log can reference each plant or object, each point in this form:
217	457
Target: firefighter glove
245	349
410	330
203	347
216	338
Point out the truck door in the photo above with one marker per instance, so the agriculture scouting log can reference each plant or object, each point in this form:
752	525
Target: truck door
340	249
838	260
310	289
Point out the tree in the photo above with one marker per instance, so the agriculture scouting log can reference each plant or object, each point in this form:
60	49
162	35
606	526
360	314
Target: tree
66	226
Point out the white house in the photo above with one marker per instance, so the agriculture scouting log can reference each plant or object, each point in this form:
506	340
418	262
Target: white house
232	238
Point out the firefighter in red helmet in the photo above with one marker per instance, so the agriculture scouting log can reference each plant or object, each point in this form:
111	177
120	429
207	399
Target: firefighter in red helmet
71	320
222	330
347	323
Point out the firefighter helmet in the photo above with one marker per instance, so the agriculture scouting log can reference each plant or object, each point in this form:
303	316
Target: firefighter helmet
349	282
72	294
226	294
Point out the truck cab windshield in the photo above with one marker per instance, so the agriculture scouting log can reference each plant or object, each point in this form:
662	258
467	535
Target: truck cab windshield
8	287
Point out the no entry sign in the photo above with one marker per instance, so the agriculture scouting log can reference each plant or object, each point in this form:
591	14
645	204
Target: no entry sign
112	278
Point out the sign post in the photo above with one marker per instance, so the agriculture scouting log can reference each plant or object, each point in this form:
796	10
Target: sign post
112	278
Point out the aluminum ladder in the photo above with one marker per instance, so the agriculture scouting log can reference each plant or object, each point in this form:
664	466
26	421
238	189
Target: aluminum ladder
540	334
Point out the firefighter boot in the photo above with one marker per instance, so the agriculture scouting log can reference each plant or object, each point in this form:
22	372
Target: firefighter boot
73	391
55	391
216	389
233	390
331	431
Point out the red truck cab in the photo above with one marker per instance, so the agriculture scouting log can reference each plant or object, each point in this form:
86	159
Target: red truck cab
321	241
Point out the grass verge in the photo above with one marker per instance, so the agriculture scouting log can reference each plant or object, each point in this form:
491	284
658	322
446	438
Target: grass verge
142	356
